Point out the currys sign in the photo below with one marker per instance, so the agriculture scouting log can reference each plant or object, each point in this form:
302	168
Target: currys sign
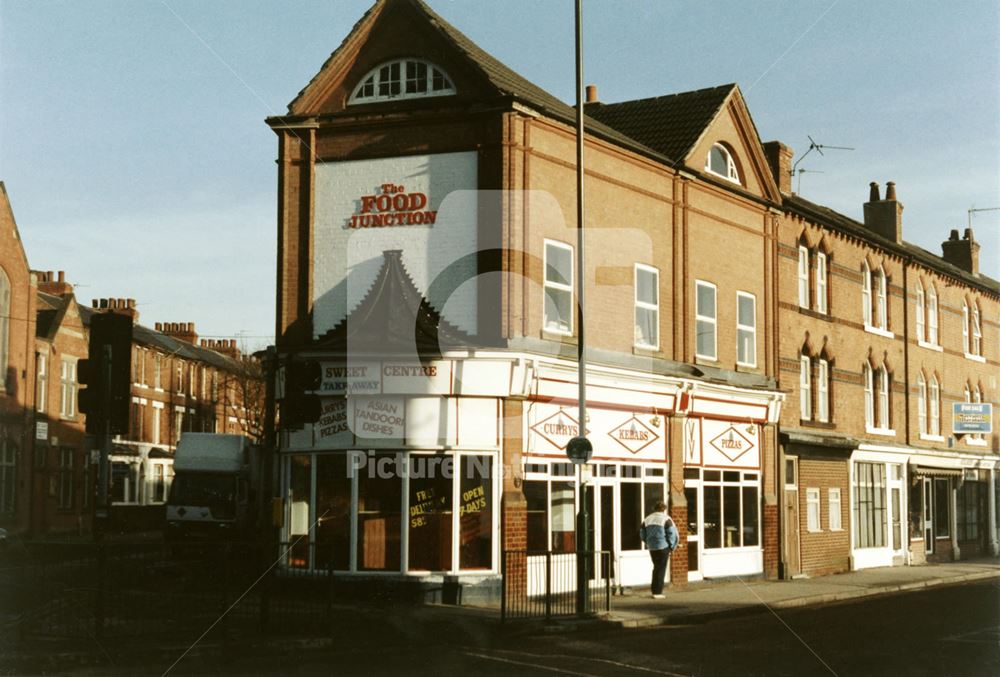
391	205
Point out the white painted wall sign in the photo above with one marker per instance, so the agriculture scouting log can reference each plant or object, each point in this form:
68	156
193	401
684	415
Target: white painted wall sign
424	205
615	433
729	444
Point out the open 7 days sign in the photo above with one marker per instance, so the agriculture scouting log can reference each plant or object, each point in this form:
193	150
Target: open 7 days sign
971	417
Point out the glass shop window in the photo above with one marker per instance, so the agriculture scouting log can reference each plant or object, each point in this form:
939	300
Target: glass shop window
537	496
563	516
333	512
475	513
379	519
299	489
631	515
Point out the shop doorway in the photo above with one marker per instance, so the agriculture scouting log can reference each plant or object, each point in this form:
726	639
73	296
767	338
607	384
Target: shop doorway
790	532
928	514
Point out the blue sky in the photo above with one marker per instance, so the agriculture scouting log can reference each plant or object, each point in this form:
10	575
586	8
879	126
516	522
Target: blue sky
134	149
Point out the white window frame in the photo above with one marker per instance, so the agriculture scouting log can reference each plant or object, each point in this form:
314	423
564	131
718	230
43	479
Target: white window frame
644	305
158	371
868	376
712	320
834	508
814	513
68	388
920	315
803	280
965	328
932	316
375	75
805	388
559	288
821	283
977	331
922	404
884	405
934	393
866	294
823	392
732	173
42	385
157	423
881	301
744	329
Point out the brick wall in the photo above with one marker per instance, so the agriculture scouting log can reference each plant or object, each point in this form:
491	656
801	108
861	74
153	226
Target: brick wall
825	551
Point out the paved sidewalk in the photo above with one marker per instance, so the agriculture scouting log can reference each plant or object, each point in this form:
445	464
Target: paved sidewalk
703	600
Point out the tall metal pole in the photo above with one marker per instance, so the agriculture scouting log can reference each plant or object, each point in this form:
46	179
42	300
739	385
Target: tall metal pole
582	526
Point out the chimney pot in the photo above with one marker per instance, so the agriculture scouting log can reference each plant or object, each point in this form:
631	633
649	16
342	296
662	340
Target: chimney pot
104	304
873	192
954	234
158	326
591	95
968	234
890	190
131	304
93	303
62	276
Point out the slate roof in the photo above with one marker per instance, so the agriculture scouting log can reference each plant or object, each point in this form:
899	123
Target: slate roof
170	345
670	124
393	317
810	210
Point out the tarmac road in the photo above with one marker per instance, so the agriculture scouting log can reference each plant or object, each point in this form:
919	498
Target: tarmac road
946	630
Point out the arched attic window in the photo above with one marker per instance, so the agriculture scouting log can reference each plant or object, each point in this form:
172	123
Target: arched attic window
721	162
402	79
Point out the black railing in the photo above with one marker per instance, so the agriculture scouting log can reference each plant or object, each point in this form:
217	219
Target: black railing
543	584
119	590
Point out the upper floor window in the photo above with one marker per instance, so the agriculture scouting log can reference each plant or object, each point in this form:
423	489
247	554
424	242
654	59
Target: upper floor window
977	331
876	382
402	79
823	391
720	161
67	401
647	306
705	320
805	388
934	415
558	288
158	372
814	389
746	329
42	386
920	316
803	277
821	273
4	324
817	299
932	315
874	298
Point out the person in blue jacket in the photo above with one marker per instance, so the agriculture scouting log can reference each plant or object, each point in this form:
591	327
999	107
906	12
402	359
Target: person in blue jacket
660	535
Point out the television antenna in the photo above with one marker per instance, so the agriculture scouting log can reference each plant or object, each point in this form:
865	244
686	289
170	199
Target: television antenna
973	210
818	147
798	189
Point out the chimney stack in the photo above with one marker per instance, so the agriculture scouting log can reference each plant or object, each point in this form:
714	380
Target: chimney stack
591	94
53	283
779	159
226	347
962	253
119	306
182	331
884	217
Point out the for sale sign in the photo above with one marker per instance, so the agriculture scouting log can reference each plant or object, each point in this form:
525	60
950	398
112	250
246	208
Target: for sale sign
971	417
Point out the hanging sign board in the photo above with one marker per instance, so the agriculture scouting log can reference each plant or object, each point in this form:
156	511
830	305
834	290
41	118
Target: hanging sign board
971	417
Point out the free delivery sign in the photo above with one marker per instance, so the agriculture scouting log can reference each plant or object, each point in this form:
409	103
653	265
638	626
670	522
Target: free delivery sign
971	417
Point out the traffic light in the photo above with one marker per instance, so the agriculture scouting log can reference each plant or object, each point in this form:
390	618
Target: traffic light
105	374
300	405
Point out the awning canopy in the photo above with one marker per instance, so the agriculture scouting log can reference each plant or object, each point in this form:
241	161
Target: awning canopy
927	471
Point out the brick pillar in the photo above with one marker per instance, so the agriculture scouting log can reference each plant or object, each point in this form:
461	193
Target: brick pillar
677	502
769	487
514	507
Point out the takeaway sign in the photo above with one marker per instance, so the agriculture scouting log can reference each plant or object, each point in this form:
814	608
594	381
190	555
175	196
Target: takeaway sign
971	417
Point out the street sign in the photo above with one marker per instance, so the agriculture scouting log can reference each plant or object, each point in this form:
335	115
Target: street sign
971	418
579	450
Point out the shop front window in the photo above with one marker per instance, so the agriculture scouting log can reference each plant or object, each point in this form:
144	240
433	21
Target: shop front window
475	513
631	515
869	505
333	512
563	514
968	511
536	494
942	508
730	511
379	516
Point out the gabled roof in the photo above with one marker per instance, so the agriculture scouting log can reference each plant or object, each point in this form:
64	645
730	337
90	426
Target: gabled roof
670	124
50	313
393	317
506	82
7	217
845	224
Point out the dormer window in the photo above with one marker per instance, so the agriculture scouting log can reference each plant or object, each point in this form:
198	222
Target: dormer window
402	79
720	161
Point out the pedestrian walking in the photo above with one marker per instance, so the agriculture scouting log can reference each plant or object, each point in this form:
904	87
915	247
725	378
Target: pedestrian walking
660	535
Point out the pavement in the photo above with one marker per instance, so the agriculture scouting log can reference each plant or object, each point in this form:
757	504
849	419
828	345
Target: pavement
705	600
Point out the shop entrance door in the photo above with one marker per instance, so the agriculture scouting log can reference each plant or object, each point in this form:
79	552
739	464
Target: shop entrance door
928	514
692	494
790	532
602	528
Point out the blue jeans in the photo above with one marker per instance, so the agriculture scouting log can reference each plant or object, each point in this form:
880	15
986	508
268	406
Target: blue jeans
660	558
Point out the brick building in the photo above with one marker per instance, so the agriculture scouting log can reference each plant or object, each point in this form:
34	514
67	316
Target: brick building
879	338
17	363
426	243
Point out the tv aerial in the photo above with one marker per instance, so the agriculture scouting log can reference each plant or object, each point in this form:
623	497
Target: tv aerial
813	146
798	189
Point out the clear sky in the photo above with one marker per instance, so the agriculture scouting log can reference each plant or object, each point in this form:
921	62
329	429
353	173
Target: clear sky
134	149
